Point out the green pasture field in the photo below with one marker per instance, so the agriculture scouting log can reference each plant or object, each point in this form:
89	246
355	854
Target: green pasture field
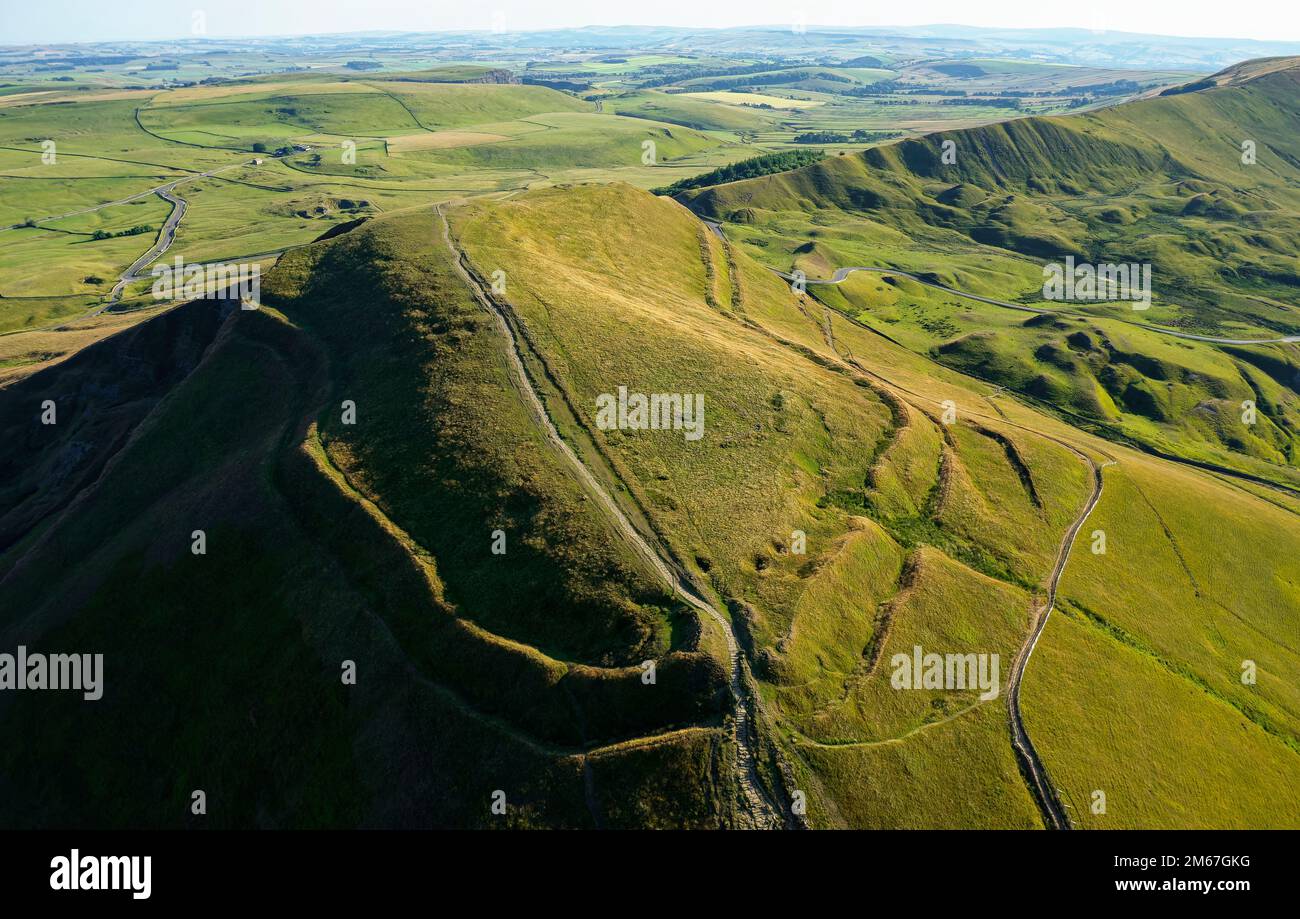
926	452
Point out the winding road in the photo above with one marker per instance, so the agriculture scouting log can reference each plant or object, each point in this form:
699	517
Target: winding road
166	236
166	186
757	809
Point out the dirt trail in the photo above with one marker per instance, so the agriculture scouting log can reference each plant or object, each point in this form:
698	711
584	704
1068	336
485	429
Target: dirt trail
1040	783
757	811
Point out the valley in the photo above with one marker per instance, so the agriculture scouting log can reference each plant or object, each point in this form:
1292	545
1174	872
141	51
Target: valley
403	465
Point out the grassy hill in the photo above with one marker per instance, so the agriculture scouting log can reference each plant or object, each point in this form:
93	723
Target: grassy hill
1159	181
882	466
918	532
476	671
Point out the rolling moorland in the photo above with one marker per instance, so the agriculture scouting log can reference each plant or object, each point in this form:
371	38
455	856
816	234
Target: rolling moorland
1220	234
920	454
258	159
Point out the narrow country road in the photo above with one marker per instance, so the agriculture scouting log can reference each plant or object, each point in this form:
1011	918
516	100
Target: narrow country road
156	190
759	811
842	273
166	236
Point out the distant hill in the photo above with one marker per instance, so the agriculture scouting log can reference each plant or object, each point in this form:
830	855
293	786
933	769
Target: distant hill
1161	181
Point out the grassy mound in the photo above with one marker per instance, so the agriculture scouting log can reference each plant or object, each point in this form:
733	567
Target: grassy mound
313	559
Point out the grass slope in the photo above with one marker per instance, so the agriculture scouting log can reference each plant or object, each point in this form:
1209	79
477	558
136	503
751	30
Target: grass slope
313	559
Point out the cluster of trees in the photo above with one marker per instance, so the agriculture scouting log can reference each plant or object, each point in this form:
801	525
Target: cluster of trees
1199	85
1114	88
749	83
260	147
664	74
879	88
746	169
992	102
865	61
134	231
572	86
835	137
894	88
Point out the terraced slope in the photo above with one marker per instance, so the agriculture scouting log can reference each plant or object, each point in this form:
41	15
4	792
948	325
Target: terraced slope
848	501
328	542
918	532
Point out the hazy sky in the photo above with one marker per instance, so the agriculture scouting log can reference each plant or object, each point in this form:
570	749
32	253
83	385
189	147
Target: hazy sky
26	21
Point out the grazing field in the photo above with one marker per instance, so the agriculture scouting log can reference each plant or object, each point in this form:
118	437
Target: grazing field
265	165
755	99
291	153
440	140
1151	667
932	540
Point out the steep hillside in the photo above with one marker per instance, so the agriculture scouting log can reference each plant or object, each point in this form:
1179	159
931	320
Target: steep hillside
329	542
405	401
921	529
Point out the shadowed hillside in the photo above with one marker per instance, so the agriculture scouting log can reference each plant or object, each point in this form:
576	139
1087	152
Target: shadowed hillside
848	500
327	544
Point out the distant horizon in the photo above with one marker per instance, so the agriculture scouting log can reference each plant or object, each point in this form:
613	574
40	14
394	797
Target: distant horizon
758	26
91	22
